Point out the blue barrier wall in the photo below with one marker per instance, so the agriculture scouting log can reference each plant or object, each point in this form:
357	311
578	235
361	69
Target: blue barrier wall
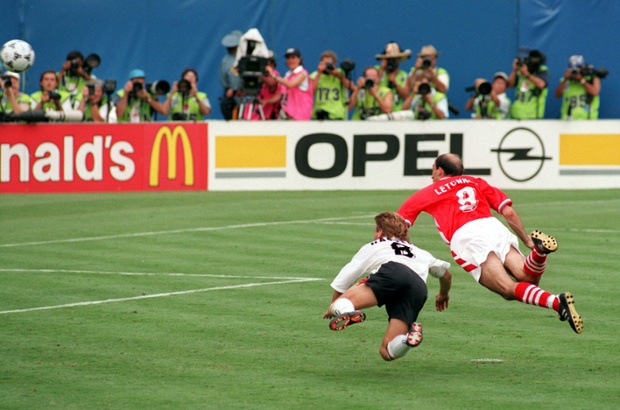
475	37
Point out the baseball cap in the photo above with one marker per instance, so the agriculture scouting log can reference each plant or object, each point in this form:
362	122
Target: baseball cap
232	39
136	73
501	74
12	74
292	52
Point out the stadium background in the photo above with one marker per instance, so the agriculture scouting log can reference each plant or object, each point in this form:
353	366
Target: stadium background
475	37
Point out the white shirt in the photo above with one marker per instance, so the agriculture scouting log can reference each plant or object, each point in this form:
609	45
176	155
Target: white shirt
371	256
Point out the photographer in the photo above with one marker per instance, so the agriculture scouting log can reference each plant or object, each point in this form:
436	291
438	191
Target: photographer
12	101
530	76
579	89
94	104
330	89
73	77
391	76
184	102
370	98
426	67
50	97
426	102
490	100
134	103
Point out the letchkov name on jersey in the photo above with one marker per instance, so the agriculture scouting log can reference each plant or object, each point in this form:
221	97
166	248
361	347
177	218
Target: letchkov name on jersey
442	189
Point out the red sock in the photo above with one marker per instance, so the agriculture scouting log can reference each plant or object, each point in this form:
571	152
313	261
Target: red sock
535	263
533	295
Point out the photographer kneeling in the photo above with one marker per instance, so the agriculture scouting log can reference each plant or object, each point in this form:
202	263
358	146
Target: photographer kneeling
489	100
424	101
369	98
134	103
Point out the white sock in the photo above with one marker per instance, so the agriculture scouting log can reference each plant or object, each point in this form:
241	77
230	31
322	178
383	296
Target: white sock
341	306
397	348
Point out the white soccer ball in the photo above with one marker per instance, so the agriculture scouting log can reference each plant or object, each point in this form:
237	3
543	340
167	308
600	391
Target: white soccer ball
17	56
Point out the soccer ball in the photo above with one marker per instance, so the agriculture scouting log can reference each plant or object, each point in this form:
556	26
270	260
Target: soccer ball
17	56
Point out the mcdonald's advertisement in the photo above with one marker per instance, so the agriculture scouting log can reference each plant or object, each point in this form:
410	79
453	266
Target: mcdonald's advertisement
48	158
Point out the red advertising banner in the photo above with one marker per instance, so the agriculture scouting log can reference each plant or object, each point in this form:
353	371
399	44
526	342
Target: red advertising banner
103	157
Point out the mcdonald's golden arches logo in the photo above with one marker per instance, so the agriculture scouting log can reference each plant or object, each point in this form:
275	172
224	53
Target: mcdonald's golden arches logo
171	142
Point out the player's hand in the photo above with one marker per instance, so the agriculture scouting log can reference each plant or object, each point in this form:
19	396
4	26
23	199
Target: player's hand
328	314
441	302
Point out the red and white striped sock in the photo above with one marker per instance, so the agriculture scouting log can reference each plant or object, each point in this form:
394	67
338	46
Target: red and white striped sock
535	263
533	295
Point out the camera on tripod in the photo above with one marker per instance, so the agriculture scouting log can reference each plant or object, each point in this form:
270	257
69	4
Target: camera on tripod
251	69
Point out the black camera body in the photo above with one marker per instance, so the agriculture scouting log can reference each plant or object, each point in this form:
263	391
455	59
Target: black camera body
391	65
424	88
91	89
590	70
251	69
109	86
480	89
423	114
8	83
329	66
347	65
426	63
184	87
53	95
75	64
369	83
137	87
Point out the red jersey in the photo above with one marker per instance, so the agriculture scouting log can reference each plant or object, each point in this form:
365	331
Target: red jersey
454	201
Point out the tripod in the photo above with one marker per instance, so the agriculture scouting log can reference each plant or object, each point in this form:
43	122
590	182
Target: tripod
251	103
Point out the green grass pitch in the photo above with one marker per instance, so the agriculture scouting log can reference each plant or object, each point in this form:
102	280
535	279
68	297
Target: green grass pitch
214	300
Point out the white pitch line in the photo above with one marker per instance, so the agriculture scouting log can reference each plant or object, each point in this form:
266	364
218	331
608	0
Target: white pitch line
157	295
175	231
206	275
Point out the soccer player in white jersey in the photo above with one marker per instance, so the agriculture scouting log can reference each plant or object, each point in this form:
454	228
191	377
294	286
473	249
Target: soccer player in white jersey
396	273
481	244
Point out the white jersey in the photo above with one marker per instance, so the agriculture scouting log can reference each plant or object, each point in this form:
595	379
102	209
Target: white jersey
371	256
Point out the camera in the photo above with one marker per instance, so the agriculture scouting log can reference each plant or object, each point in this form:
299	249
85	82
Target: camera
75	64
91	61
481	89
424	88
157	88
109	86
369	83
329	66
184	87
391	65
251	69
137	87
8	83
426	62
347	66
423	114
522	60
53	95
91	89
590	70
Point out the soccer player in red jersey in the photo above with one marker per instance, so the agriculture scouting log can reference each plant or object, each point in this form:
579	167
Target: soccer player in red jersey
461	206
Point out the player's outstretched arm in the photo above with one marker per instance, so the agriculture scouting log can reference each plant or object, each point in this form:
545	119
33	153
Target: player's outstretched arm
443	297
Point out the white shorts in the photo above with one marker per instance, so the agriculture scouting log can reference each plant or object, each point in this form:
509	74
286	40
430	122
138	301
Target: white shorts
472	243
